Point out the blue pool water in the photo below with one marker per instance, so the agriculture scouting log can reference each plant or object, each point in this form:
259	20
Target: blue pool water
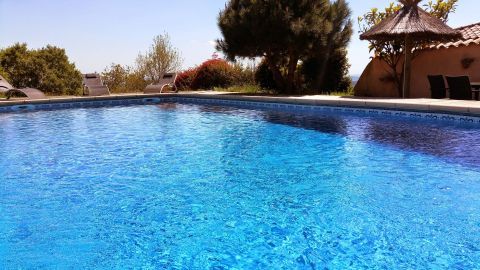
184	186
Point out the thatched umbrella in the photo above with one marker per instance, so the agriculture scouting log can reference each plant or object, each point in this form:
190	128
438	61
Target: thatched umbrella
410	23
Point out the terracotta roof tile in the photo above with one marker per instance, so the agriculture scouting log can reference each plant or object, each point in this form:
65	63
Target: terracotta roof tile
470	36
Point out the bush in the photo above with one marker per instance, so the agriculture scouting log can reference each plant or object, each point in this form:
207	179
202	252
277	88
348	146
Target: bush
115	77
185	79
123	79
216	73
264	77
243	75
213	73
135	82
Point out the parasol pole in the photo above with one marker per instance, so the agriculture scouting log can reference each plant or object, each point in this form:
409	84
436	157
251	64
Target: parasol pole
407	67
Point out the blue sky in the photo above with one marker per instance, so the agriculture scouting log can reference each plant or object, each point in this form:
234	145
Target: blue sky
96	33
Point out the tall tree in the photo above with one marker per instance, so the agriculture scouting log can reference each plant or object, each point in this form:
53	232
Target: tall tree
60	76
162	57
327	68
391	52
48	69
283	32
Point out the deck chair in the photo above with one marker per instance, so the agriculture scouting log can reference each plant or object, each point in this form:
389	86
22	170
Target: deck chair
438	89
9	91
93	85
460	88
168	79
30	93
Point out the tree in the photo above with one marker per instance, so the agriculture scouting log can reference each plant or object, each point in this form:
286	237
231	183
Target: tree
391	52
18	64
60	76
47	69
283	32
161	58
286	33
336	77
3	74
327	68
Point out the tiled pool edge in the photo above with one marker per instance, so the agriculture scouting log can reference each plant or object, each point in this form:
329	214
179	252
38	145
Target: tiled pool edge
303	106
362	106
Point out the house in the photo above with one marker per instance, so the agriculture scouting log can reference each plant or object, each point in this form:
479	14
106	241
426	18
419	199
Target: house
455	58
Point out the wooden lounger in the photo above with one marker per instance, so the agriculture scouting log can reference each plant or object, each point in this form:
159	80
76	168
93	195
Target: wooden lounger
97	91
93	85
30	93
10	91
168	79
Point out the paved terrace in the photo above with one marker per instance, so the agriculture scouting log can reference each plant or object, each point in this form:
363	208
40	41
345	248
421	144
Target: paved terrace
421	104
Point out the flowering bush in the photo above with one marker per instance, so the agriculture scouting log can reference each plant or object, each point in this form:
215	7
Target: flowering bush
213	73
185	79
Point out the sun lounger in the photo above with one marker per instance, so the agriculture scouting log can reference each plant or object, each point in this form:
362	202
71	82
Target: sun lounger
460	88
9	90
93	85
438	88
30	93
168	79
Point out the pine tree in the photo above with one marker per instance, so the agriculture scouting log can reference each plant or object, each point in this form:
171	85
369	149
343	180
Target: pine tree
283	32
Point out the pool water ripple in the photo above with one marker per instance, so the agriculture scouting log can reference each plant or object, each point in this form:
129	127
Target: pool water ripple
185	186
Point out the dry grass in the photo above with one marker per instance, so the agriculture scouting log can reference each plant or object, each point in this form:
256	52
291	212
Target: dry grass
246	89
349	92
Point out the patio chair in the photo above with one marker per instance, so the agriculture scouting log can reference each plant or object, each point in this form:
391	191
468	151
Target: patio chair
168	79
460	88
93	85
438	89
9	91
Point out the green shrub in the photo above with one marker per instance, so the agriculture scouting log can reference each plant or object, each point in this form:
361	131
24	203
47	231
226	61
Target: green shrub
244	89
123	79
243	75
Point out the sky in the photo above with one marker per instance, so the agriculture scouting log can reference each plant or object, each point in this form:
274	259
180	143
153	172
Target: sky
96	33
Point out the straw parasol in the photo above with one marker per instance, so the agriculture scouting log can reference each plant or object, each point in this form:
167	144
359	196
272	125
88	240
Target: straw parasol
410	23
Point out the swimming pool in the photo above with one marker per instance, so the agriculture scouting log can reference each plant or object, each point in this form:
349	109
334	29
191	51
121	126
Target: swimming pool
192	186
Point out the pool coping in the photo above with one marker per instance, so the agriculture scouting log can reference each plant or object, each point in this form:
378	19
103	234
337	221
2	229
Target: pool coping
451	107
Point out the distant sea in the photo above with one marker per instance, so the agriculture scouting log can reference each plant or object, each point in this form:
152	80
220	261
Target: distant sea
355	79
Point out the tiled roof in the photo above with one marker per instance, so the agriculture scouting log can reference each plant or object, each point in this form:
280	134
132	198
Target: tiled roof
470	36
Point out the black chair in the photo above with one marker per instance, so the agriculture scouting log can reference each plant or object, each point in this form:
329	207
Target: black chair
437	86
460	88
